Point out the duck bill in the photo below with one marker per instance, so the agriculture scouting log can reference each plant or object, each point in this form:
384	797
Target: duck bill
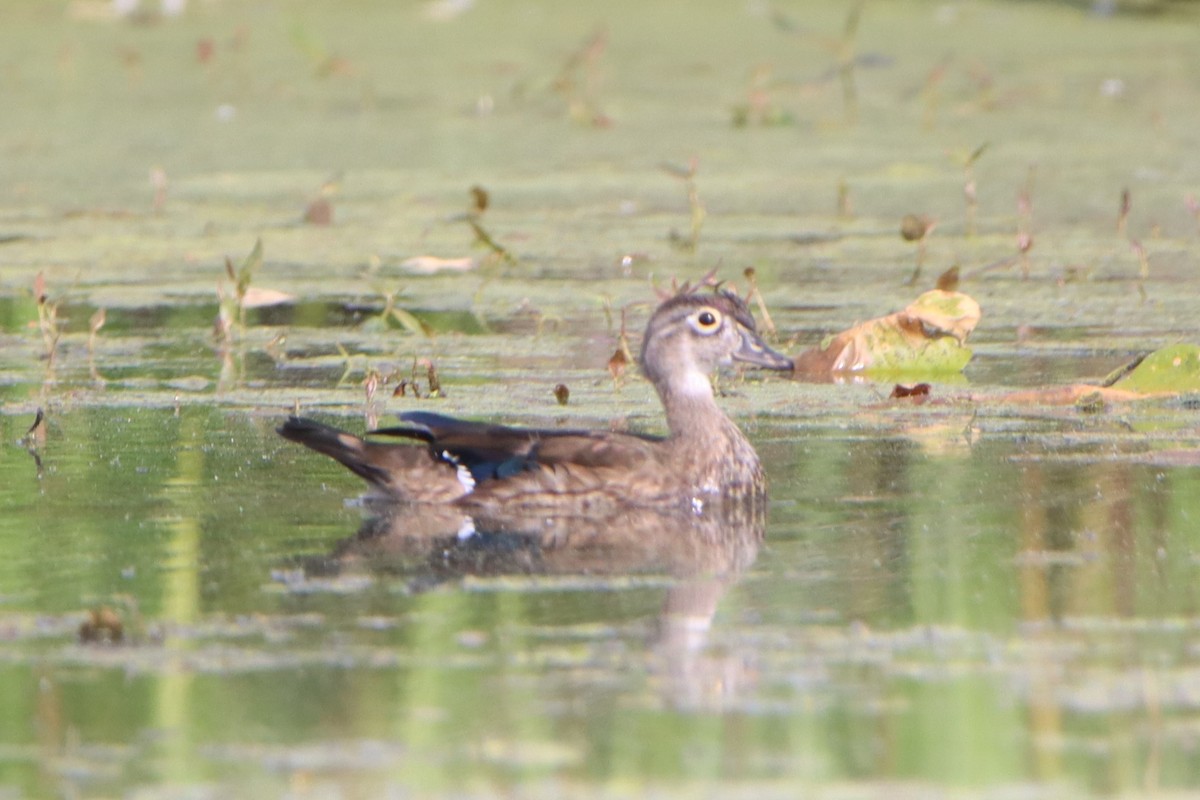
752	350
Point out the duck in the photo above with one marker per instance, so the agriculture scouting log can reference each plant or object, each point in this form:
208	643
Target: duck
481	467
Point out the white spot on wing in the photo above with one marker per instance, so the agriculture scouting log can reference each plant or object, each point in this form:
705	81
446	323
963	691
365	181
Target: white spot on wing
465	478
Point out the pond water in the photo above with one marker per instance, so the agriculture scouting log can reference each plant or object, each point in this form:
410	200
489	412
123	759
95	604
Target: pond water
966	597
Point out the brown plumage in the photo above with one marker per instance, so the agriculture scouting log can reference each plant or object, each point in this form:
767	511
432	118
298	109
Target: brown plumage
480	466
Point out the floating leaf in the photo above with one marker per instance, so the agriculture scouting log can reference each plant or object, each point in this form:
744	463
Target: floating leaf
926	337
1172	369
944	313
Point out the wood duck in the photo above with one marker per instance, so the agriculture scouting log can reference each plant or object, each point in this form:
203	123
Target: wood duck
478	466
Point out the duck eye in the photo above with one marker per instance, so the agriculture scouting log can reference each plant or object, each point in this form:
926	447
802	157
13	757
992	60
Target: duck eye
707	320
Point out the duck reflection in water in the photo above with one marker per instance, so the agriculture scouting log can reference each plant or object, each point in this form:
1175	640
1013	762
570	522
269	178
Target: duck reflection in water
482	499
699	556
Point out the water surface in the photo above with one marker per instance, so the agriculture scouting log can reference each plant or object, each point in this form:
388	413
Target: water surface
964	597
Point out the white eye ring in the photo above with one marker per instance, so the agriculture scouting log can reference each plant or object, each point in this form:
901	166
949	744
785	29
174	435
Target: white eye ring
707	320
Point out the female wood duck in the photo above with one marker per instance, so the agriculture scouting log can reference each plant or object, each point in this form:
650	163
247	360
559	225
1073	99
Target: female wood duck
476	466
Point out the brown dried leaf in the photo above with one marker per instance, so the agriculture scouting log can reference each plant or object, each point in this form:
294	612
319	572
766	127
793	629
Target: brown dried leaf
927	336
918	392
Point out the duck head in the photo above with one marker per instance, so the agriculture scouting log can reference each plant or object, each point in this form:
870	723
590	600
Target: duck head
691	334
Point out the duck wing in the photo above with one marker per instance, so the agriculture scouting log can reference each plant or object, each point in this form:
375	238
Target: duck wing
484	465
492	451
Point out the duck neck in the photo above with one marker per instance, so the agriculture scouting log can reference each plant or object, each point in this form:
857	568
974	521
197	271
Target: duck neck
693	413
706	443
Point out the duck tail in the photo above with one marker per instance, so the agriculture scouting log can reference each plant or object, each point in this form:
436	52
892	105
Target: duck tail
345	448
